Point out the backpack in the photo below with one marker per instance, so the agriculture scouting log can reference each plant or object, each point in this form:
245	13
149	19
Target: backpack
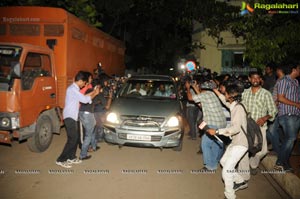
253	134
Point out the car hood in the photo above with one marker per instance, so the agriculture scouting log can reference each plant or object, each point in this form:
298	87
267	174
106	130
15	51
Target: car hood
161	108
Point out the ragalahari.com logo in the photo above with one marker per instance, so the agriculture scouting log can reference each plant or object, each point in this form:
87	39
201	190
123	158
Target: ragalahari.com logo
246	8
271	8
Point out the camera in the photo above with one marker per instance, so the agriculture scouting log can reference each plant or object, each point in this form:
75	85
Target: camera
209	85
193	82
111	82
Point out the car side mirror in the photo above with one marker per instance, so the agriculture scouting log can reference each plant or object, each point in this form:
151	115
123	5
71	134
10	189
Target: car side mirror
16	70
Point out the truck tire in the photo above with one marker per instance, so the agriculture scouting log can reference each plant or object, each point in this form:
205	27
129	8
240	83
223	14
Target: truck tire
42	138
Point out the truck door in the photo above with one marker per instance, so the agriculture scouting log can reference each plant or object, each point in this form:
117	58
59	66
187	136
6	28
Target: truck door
38	86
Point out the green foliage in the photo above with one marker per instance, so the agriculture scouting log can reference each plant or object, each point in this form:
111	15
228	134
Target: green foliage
84	9
269	37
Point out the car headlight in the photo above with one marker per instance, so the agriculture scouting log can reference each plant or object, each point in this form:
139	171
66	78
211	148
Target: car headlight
173	122
5	122
112	118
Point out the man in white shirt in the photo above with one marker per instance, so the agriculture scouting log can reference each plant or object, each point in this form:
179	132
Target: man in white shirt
138	89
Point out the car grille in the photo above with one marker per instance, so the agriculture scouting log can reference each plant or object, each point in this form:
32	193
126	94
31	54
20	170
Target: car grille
141	121
154	138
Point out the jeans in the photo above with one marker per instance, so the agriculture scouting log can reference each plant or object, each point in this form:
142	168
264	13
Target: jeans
99	131
254	161
88	122
290	125
274	135
212	151
234	154
69	151
192	114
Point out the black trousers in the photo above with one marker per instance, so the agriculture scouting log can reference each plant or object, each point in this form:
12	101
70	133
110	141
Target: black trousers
70	148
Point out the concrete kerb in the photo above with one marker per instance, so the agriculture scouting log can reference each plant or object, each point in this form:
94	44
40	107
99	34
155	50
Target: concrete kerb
288	181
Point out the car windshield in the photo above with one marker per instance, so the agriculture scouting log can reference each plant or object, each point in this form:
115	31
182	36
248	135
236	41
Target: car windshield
9	55
150	89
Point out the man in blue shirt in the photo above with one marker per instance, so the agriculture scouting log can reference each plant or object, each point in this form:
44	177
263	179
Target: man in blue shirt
288	96
70	115
162	92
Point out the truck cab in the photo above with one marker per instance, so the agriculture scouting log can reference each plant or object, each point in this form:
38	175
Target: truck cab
28	93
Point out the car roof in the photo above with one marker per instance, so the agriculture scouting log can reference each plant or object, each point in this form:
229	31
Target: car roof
152	77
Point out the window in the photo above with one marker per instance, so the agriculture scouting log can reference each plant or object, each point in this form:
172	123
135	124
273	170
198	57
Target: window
36	65
54	30
24	29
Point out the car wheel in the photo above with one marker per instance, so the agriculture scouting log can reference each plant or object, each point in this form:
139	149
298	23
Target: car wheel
179	147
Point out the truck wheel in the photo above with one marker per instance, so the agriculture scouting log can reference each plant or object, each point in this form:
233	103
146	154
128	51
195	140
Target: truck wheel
42	138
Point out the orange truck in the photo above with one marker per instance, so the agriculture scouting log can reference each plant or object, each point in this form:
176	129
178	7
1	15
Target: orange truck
41	50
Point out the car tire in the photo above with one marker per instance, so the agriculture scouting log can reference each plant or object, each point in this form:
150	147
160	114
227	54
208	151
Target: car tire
179	147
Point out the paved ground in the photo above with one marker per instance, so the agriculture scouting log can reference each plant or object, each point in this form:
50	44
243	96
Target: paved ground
117	173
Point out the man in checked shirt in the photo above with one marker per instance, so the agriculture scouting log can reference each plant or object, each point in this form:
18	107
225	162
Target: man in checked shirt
260	104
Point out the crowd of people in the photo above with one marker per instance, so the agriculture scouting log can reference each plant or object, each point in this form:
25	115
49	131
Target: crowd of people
223	101
272	100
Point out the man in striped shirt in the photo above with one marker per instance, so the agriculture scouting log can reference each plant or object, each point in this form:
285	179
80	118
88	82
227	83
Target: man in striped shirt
288	96
260	104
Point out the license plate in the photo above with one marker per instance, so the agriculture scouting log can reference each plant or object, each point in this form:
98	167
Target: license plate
139	137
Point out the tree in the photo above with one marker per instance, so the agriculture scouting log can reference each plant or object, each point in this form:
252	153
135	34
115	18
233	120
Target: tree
269	37
83	9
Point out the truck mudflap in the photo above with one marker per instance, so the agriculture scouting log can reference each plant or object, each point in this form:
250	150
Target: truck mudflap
5	137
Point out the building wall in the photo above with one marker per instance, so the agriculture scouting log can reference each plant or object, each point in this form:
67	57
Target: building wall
211	56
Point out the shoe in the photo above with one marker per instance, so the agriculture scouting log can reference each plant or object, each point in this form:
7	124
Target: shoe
199	152
205	169
63	164
93	150
74	161
253	171
86	157
240	186
278	167
97	148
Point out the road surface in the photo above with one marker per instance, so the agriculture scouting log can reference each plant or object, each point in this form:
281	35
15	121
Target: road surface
117	174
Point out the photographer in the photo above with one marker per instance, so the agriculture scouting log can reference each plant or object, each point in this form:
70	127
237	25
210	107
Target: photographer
236	152
214	116
102	103
192	111
70	115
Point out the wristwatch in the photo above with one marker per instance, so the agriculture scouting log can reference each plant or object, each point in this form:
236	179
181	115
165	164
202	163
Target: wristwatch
217	132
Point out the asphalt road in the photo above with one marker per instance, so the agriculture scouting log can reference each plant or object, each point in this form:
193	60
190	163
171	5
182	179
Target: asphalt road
117	174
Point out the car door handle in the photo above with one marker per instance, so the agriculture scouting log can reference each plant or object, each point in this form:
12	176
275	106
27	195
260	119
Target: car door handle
52	95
